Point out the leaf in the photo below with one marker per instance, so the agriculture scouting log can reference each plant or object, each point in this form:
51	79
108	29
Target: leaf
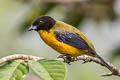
47	69
15	70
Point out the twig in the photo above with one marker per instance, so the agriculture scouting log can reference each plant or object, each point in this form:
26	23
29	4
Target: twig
19	56
85	58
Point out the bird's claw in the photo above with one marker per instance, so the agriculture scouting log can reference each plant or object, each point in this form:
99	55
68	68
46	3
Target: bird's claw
67	59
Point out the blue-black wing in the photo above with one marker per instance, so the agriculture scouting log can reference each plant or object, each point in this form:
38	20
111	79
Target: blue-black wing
72	39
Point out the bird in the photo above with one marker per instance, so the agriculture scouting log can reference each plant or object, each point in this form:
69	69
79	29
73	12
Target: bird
64	38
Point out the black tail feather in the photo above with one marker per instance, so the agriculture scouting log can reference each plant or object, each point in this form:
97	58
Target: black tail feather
105	63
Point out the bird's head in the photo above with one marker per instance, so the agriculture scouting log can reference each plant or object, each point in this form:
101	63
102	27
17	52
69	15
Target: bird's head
42	23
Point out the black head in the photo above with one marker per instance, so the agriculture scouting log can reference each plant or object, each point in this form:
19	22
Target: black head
42	23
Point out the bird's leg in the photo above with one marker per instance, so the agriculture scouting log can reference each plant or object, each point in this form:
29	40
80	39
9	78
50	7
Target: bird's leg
66	58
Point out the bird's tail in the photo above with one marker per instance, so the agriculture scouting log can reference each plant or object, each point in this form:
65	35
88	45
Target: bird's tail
105	63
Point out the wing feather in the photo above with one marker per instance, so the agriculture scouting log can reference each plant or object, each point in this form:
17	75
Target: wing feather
72	39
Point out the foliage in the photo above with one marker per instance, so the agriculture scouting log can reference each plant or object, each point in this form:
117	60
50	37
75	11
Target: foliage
14	70
45	69
48	69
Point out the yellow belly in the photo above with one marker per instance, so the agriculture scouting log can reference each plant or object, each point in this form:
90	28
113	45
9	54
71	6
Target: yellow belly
49	38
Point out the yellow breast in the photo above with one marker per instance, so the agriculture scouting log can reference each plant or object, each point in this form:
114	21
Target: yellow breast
49	38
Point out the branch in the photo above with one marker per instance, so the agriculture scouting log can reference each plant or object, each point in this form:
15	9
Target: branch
85	58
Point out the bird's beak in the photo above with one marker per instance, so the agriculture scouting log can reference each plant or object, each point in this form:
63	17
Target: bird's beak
32	28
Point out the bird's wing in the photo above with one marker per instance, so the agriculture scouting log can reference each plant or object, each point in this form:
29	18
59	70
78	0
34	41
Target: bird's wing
62	27
72	39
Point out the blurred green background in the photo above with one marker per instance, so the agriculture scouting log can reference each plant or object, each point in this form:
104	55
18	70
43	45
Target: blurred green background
99	20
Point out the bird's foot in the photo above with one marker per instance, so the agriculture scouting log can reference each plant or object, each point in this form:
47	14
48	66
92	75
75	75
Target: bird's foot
67	59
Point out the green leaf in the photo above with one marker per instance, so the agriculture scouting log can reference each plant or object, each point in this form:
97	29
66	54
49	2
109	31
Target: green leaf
15	70
47	69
